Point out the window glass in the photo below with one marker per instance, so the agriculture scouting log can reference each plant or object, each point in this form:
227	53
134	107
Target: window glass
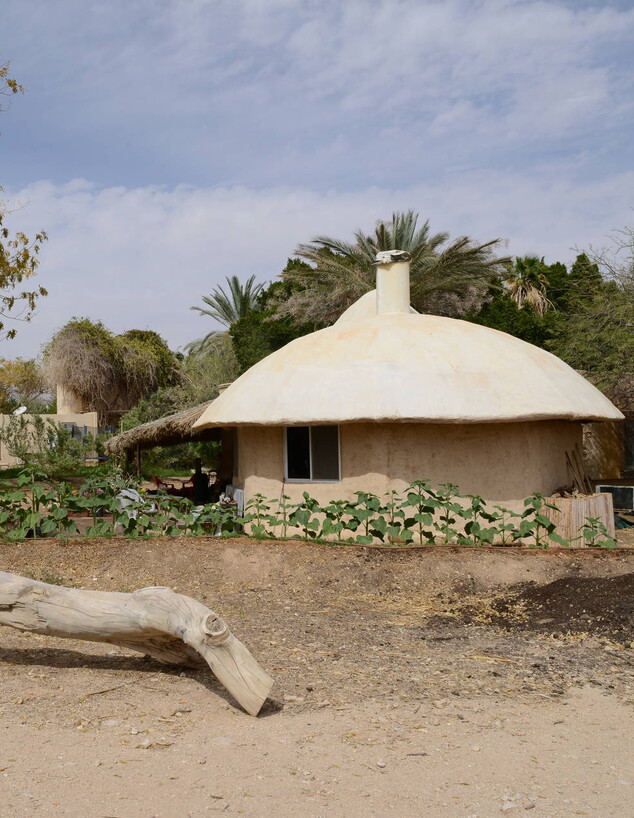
298	452
325	452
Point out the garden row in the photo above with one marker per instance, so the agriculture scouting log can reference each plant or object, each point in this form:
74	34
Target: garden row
421	515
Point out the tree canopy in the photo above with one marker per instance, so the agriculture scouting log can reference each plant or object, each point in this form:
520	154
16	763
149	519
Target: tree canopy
18	254
508	310
201	375
262	331
589	322
597	337
526	283
447	277
226	308
109	372
22	383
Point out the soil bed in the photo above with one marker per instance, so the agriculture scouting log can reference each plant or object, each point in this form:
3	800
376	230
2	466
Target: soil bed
601	605
379	656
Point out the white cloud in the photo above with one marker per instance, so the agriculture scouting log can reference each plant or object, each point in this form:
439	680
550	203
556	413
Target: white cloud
141	257
289	118
319	93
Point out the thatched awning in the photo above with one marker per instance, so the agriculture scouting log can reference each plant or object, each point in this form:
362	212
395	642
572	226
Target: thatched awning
166	431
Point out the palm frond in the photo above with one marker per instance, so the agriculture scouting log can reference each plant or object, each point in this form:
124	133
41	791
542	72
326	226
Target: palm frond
342	271
226	307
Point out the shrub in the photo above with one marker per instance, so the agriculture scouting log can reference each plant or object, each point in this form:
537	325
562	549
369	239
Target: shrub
42	444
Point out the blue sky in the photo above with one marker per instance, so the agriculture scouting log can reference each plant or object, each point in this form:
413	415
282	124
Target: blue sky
165	144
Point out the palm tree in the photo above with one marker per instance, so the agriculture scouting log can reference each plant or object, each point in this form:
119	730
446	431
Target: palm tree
226	308
526	283
444	275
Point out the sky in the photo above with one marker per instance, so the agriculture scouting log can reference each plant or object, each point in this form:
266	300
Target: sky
166	144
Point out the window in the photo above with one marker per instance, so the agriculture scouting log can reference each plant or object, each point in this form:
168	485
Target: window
312	454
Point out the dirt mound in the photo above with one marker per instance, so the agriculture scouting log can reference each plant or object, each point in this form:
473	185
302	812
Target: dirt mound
602	605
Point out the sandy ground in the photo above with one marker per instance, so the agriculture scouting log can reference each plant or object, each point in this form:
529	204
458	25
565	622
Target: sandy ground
441	682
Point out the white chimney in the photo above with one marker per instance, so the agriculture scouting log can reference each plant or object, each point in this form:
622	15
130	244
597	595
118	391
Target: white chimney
392	281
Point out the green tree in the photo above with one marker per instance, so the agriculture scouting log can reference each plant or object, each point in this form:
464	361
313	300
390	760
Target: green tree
597	337
22	383
599	342
226	307
261	331
446	277
558	286
502	313
585	281
18	254
526	283
201	375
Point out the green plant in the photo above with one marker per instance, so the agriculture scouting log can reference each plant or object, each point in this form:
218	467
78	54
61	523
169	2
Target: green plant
51	578
18	254
218	519
280	518
257	516
421	498
333	524
39	442
537	525
449	511
476	513
226	308
337	273
107	371
302	516
390	525
22	383
506	528
33	509
54	579
36	507
363	514
595	534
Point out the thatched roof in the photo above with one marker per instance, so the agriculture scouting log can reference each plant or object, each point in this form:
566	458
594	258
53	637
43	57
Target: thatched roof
166	431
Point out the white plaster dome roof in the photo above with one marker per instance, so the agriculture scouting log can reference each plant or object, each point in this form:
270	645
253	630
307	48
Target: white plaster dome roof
406	367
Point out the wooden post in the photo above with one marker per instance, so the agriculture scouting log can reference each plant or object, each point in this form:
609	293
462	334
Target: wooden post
168	626
138	460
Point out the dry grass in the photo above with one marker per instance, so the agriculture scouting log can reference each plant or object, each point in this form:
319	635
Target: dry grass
166	431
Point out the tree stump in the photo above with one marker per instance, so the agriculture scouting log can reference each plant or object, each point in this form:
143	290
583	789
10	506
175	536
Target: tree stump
573	511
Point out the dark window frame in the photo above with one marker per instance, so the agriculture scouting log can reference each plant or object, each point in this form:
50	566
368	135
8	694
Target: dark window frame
310	479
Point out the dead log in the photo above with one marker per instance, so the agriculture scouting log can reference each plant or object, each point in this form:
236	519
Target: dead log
172	628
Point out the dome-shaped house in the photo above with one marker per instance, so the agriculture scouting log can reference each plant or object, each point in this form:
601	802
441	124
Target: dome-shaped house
386	396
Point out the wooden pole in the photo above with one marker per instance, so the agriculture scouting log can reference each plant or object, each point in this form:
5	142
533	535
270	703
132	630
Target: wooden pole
168	626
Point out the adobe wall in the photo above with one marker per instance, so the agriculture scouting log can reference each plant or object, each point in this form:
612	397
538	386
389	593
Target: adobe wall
503	462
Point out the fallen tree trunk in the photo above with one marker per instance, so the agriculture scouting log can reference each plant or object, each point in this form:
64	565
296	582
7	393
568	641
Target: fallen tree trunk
170	627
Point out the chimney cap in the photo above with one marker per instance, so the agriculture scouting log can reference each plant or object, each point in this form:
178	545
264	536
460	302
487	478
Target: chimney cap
392	256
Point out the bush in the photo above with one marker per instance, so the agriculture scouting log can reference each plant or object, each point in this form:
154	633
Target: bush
42	444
